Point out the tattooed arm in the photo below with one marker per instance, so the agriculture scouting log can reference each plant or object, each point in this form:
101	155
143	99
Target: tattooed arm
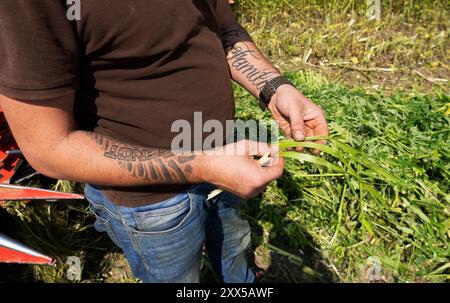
297	115
55	147
248	66
147	165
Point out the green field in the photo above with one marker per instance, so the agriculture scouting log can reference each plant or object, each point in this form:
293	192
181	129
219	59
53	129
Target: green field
374	206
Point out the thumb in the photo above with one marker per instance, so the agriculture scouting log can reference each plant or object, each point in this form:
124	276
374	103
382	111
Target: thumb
297	122
274	170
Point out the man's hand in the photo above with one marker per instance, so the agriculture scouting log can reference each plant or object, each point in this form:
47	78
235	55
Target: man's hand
234	169
297	116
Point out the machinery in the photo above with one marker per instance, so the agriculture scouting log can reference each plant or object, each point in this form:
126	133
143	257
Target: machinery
14	169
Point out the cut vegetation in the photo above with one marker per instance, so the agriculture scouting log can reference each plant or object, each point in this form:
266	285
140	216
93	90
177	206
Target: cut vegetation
374	206
379	191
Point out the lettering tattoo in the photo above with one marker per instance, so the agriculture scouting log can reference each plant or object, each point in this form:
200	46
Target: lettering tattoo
150	164
240	56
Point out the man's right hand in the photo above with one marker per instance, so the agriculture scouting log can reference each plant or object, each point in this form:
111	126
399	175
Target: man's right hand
234	169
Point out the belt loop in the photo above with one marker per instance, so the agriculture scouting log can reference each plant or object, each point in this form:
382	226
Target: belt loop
120	215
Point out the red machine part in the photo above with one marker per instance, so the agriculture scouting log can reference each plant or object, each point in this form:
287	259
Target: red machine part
14	192
12	251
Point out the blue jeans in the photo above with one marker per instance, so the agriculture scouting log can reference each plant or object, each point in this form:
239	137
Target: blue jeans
164	242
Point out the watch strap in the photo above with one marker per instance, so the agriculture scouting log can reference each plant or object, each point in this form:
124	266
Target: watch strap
270	88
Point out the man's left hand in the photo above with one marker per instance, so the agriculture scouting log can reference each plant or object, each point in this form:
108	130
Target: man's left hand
297	116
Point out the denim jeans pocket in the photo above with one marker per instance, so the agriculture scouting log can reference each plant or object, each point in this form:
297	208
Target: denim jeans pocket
170	237
164	217
102	222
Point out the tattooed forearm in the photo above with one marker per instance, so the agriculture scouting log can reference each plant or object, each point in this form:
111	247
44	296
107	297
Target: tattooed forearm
240	61
150	164
244	59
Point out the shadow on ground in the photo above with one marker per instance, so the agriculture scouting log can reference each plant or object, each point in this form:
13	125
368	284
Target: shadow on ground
274	251
307	266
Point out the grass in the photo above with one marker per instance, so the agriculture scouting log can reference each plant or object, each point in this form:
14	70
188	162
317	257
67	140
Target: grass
408	48
378	192
373	207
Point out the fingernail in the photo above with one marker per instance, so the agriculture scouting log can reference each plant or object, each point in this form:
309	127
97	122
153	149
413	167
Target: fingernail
299	136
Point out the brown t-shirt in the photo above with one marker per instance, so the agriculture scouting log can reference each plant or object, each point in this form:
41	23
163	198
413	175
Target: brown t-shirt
136	67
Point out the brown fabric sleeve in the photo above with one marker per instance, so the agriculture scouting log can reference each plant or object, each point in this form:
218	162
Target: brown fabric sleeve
39	52
224	13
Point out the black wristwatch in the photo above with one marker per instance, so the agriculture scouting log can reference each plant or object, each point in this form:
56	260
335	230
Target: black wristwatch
270	88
